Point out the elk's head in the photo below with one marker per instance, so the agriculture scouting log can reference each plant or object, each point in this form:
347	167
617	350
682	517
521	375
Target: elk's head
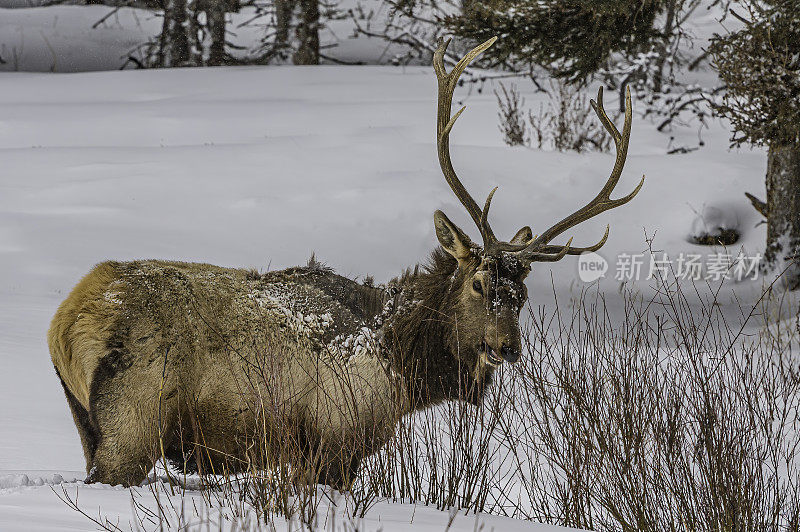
491	291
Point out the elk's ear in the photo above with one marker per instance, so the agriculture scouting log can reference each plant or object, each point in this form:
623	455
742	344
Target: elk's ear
523	235
453	240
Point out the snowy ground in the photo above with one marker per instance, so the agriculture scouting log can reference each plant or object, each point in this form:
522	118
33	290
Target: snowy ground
260	167
33	508
334	160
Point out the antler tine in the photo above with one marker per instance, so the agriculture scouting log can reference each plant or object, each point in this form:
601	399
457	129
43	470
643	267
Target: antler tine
576	251
485	213
444	123
490	243
621	141
539	247
547	256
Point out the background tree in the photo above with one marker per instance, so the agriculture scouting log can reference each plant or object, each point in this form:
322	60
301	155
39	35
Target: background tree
297	24
284	10
307	32
624	43
189	39
572	38
215	23
760	66
173	50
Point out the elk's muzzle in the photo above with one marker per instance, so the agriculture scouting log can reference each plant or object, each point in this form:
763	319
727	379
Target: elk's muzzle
509	354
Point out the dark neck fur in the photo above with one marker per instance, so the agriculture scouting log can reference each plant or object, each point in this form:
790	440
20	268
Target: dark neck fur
421	338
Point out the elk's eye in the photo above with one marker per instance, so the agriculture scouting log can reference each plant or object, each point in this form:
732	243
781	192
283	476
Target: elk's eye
477	286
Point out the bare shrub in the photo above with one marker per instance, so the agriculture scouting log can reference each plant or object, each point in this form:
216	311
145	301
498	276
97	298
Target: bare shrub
568	122
671	412
442	456
512	119
669	418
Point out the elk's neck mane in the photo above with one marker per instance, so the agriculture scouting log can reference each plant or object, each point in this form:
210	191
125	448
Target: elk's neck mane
420	334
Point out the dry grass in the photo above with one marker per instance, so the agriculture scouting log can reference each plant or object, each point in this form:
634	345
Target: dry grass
665	413
566	123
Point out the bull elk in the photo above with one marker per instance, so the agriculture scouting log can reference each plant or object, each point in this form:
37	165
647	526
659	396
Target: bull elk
217	367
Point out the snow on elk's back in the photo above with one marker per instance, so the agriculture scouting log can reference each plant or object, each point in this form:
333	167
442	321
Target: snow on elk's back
313	302
343	336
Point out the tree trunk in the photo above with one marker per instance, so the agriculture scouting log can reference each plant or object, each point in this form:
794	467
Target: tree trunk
664	45
783	205
308	34
174	44
215	19
283	23
197	36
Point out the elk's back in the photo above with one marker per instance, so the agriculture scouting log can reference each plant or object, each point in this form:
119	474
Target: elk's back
213	328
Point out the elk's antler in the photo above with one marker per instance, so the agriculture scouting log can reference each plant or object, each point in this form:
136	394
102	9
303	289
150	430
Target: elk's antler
538	249
444	123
